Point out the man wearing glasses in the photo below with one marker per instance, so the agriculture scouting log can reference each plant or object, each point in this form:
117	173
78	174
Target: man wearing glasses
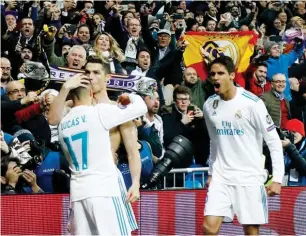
184	118
277	104
15	100
279	63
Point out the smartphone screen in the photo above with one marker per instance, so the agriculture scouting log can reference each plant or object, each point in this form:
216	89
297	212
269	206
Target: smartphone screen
190	108
124	7
90	11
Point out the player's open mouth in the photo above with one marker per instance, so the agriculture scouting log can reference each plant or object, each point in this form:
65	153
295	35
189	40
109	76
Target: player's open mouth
216	87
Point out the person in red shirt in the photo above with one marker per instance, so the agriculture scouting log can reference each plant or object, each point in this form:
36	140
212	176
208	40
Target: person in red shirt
257	82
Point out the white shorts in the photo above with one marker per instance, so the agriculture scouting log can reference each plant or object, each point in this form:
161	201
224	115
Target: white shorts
249	203
99	216
128	208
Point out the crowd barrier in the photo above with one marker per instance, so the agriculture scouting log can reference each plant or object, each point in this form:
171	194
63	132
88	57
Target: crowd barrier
166	212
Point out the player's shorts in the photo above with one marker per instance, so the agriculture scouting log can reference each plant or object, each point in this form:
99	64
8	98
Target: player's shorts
99	216
129	210
249	203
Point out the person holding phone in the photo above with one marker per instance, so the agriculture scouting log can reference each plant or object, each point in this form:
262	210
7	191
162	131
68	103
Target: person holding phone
184	118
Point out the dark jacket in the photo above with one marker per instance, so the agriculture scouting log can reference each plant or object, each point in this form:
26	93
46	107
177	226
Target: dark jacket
196	132
297	157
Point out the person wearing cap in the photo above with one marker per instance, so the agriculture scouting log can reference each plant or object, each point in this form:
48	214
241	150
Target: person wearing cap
164	52
279	63
295	154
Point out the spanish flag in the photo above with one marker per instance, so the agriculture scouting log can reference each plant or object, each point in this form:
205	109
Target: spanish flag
206	46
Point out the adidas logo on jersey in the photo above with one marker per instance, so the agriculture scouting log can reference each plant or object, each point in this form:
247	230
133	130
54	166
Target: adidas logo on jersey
214	113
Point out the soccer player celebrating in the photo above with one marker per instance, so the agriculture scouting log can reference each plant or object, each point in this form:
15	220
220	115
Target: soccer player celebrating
237	122
97	206
96	72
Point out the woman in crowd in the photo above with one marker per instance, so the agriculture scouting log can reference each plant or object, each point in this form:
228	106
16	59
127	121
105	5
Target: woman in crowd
107	48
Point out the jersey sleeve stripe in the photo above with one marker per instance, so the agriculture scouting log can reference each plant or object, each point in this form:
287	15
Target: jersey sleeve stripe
249	97
212	96
251	94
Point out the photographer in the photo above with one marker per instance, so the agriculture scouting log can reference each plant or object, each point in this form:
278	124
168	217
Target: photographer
295	157
17	180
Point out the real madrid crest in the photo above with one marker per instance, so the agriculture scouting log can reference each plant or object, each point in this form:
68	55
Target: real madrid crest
215	104
238	114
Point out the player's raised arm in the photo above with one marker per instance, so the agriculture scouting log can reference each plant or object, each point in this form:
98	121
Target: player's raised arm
113	115
57	107
264	123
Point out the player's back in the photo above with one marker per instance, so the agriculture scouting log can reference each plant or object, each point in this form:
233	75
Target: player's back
86	144
236	142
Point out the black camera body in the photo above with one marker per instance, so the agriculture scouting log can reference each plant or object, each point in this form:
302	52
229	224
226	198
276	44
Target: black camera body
36	154
178	154
282	133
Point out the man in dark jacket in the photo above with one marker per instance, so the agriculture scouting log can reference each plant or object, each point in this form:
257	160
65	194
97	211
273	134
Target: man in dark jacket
182	118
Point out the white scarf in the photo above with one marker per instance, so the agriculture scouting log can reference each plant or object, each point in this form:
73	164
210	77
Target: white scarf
131	50
139	71
106	54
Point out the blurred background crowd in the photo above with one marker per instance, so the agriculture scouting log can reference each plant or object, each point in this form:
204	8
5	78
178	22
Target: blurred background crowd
143	38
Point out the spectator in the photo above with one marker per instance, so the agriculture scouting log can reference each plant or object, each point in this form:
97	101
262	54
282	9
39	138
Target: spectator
201	29
5	73
211	25
165	53
82	36
279	63
211	15
108	50
191	124
277	104
298	102
257	82
144	68
150	127
129	40
16	118
16	41
199	89
12	173
295	158
76	57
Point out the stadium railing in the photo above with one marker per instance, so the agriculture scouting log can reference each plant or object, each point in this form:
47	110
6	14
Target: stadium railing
191	178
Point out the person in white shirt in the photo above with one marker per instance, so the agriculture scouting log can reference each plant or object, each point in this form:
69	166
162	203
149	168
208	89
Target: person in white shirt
96	72
237	122
97	206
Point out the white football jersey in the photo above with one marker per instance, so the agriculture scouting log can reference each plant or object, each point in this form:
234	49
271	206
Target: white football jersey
237	128
84	138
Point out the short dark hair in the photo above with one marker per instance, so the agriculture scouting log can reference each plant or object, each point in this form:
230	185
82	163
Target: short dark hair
78	92
28	18
226	61
206	23
5	162
142	50
83	25
181	89
98	60
261	63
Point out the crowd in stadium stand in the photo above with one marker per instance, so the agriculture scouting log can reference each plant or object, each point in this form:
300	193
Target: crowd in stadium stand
144	38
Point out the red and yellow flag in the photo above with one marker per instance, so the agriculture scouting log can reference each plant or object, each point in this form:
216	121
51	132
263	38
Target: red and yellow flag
206	46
